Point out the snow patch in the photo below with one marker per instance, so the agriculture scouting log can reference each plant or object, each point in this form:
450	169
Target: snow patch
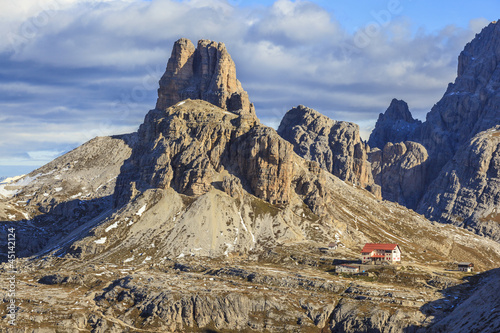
58	189
45	194
11	217
76	195
101	240
245	227
229	246
181	256
129	259
7	193
141	211
181	103
114	225
26	180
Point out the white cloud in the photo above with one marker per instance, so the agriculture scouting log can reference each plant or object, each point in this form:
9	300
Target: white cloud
295	22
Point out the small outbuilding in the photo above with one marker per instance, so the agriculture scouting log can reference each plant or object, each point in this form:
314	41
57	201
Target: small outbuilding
344	268
466	267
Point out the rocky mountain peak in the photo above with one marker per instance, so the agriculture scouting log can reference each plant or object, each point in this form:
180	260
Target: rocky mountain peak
460	175
335	145
482	54
398	110
205	72
394	125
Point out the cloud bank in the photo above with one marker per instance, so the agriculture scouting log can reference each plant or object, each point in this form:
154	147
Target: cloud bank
75	69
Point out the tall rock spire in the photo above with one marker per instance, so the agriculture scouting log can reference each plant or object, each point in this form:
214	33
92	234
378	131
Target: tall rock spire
206	72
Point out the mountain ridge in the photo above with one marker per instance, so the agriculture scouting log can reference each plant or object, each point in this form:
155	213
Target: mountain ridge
205	219
467	110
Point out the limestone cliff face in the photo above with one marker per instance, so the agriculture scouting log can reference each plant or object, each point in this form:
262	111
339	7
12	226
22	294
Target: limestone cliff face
454	183
470	104
395	125
467	190
400	169
191	146
206	72
335	145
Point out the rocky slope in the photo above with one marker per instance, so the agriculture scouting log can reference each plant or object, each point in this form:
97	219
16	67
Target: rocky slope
65	194
335	145
452	137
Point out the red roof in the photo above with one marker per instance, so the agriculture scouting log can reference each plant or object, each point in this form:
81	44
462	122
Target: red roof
369	247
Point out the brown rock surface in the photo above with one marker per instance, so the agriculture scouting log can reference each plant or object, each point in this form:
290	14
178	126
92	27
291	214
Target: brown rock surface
335	145
206	72
191	145
219	225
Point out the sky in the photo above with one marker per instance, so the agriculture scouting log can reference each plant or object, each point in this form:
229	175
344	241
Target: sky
75	69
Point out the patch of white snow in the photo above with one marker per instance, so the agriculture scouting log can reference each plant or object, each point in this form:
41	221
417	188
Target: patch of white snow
76	195
114	225
141	211
101	240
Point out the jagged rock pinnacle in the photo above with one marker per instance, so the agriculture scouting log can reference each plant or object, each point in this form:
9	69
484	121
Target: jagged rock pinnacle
395	125
206	72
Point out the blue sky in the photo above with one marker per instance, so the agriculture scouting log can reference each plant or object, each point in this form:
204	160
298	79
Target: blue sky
75	69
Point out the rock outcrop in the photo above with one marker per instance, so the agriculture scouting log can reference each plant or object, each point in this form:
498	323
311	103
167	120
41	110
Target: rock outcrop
206	72
335	145
455	181
190	146
395	125
400	170
467	191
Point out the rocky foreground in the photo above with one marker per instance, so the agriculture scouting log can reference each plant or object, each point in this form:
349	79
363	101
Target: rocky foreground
291	288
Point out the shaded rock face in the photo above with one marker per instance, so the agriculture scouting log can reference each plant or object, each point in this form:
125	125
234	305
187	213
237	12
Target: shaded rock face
395	125
467	190
206	72
400	169
470	104
335	145
189	147
454	180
